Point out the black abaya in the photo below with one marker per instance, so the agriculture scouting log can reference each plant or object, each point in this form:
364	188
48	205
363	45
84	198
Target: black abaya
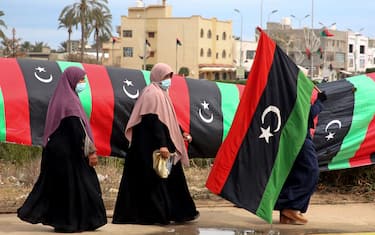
144	197
304	175
67	194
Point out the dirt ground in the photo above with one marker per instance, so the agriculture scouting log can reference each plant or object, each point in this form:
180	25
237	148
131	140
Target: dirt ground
16	181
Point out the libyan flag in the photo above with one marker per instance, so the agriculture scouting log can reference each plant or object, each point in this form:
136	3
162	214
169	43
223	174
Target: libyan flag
326	33
267	133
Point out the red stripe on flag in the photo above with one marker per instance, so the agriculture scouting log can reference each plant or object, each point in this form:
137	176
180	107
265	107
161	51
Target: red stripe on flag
102	107
254	88
16	104
363	155
240	88
179	93
314	96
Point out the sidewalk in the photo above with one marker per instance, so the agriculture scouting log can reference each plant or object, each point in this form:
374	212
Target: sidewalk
358	218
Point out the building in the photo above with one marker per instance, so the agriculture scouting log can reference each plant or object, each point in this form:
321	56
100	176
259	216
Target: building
248	50
149	34
338	54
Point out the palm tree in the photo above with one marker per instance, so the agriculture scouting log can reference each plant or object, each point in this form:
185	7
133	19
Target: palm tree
101	23
26	46
38	46
81	11
2	24
68	21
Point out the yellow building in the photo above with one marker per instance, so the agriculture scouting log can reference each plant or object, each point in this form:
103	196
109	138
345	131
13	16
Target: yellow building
148	35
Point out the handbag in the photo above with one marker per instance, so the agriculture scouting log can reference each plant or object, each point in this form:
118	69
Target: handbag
87	142
162	166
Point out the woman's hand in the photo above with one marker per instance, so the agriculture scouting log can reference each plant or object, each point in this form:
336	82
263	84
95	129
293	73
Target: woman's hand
93	159
187	137
164	152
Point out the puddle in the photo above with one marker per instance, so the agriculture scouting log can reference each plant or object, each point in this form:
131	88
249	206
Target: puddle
220	231
215	231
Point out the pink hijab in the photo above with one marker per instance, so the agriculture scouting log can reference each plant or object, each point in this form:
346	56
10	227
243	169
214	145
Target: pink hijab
155	100
65	103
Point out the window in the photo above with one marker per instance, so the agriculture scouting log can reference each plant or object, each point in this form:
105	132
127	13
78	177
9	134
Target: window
127	33
209	34
217	55
209	53
202	33
350	48
224	36
128	51
250	55
202	52
217	37
362	63
224	76
224	54
151	34
361	49
217	76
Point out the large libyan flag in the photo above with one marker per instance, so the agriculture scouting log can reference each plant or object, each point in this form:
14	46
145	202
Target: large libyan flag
266	135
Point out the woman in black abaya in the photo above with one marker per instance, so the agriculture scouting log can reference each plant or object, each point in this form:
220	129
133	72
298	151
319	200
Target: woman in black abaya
144	197
67	194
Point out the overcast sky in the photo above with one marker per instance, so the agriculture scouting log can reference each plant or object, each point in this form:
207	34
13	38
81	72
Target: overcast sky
36	20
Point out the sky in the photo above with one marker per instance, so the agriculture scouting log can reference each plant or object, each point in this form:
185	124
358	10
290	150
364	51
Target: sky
37	20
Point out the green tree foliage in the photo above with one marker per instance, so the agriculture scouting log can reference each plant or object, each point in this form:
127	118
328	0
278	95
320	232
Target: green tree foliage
82	11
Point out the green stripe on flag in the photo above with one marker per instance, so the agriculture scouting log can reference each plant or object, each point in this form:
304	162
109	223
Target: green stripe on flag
363	113
85	95
230	98
2	118
295	129
146	76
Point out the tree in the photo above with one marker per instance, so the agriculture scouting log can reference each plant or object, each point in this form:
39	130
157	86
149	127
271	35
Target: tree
2	25
11	46
68	21
26	46
81	11
101	22
38	46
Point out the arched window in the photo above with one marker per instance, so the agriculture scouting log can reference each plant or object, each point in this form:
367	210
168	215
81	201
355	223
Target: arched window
224	76
209	34
209	53
202	52
224	36
224	54
217	55
202	33
217	76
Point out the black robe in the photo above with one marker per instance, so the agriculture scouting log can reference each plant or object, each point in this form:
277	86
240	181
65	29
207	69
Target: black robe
144	197
67	194
304	175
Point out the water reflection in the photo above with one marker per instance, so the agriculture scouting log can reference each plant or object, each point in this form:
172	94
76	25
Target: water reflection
215	231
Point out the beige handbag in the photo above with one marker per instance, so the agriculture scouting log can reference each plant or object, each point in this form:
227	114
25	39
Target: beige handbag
161	165
88	146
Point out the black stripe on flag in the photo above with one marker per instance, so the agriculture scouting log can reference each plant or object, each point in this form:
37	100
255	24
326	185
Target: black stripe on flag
206	118
334	121
41	79
127	85
255	159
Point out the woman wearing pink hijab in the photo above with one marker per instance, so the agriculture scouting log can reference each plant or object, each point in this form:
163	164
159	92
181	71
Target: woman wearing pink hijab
144	197
67	194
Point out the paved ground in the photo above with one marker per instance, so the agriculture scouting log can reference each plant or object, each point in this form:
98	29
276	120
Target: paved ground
220	219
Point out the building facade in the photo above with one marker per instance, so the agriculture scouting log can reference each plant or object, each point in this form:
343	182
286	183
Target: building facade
194	46
333	56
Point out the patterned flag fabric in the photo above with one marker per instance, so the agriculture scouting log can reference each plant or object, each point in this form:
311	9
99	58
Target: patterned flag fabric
266	135
326	33
26	86
344	136
345	132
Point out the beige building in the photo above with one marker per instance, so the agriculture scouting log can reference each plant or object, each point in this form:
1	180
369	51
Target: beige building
149	34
